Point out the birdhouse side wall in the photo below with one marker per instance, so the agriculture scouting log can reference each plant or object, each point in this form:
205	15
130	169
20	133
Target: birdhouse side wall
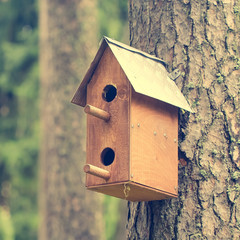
154	146
113	134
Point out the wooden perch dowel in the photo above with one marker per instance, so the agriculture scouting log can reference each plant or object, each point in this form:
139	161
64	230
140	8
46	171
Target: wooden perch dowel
97	112
97	171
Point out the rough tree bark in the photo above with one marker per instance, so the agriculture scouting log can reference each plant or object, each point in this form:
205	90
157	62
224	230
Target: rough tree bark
67	39
201	38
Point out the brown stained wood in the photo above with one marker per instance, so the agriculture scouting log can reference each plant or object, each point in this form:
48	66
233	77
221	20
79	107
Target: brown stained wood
146	145
96	171
154	147
97	112
134	191
113	134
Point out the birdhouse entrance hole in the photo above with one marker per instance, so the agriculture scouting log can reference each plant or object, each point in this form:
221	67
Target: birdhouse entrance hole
107	156
109	93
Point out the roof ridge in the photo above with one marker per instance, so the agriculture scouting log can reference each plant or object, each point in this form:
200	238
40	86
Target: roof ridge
134	50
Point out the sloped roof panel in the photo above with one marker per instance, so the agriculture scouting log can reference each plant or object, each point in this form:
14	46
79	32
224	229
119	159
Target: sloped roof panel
148	76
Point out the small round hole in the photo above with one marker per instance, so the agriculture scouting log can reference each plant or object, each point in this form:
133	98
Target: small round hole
109	93
107	156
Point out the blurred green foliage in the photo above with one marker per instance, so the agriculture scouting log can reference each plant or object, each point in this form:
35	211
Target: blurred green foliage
111	216
18	119
19	113
7	232
113	19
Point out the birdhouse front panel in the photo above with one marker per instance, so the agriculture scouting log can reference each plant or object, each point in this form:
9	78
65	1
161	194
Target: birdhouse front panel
154	145
108	140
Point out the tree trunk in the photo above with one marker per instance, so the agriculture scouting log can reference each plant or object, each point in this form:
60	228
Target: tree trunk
67	37
201	38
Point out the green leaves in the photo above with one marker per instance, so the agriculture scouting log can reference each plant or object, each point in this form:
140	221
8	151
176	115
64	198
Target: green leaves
113	18
19	119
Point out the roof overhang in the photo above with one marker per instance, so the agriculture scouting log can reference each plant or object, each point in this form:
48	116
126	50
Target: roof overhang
146	73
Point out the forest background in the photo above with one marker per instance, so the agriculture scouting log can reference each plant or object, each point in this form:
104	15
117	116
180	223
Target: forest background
19	112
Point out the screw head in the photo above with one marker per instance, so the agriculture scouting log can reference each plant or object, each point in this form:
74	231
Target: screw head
132	126
131	175
155	133
138	125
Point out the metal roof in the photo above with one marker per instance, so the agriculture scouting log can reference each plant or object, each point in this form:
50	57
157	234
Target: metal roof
146	73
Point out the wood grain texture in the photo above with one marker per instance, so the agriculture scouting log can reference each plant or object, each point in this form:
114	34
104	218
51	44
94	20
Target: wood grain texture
131	191
154	148
113	134
151	149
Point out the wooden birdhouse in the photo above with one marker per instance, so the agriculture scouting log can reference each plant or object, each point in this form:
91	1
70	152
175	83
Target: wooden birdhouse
132	124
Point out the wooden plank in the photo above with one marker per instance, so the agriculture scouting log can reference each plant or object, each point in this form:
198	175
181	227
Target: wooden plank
154	146
113	134
132	191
